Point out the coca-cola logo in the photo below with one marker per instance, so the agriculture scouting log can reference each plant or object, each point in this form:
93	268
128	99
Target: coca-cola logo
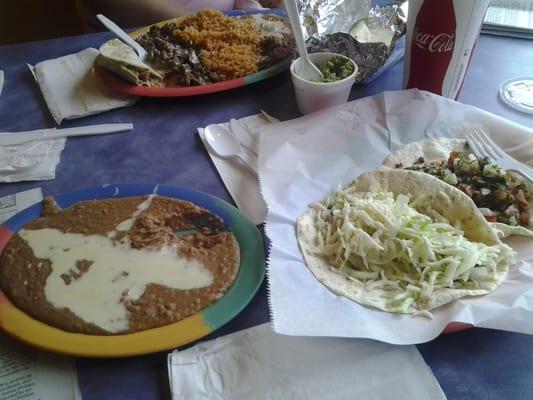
434	43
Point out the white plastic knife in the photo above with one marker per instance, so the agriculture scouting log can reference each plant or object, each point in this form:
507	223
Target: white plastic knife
12	138
1	80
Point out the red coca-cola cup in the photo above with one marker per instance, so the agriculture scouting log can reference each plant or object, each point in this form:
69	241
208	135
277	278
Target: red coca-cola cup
441	35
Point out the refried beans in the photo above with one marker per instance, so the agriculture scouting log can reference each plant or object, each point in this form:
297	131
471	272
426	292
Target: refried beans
118	266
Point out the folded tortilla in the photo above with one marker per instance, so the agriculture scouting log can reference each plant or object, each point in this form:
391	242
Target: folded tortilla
436	149
122	60
449	202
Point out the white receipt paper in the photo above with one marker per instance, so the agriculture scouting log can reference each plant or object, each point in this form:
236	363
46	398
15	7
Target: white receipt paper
31	374
259	364
27	373
303	160
16	202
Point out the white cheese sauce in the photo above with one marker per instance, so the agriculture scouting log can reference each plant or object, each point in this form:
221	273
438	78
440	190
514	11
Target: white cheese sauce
117	271
127	224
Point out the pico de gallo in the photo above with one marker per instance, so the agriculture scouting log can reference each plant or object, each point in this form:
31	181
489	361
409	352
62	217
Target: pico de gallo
497	193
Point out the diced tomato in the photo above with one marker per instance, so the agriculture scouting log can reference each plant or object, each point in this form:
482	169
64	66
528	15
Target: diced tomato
524	219
490	218
453	156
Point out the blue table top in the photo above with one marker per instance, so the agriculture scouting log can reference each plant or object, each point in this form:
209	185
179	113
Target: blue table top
163	147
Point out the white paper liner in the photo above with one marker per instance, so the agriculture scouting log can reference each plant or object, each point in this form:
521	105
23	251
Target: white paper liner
303	160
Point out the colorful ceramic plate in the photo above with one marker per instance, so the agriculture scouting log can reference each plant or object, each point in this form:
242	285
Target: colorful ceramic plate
120	85
251	273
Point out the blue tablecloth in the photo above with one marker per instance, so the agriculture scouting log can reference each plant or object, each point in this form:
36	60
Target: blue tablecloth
474	364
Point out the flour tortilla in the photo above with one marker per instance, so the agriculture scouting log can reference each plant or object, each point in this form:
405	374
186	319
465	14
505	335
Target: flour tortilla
440	197
436	149
120	58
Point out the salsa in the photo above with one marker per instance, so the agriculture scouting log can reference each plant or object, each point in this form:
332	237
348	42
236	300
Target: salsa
335	69
500	196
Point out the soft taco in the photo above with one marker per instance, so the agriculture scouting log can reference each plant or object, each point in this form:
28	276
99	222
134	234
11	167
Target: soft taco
123	61
402	241
504	198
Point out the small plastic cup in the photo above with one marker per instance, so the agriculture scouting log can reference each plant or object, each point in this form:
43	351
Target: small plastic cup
313	96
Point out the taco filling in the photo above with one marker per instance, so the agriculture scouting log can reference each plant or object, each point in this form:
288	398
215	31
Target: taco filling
383	242
496	192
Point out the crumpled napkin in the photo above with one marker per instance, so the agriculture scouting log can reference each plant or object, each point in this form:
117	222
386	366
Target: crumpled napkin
71	90
258	364
242	186
32	161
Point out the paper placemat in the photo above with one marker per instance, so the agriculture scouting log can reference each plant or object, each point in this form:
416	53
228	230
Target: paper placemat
303	160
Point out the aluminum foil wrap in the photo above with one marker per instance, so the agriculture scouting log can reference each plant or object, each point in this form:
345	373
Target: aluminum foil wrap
368	35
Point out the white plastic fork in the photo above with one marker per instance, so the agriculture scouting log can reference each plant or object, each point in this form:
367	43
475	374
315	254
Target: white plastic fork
483	146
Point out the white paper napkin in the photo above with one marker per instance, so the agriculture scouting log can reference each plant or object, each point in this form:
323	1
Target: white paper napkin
303	160
259	364
32	161
241	184
71	90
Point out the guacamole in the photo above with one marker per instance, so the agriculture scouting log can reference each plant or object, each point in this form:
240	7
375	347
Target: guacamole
335	69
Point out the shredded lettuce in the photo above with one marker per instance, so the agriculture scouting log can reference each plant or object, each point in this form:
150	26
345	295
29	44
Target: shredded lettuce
384	243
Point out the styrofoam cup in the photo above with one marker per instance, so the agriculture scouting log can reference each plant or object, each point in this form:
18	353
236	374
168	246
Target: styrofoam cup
313	96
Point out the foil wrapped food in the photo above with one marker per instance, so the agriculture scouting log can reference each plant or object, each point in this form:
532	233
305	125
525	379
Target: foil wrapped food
368	35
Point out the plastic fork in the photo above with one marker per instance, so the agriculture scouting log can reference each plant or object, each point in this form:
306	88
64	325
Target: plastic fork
483	146
112	27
